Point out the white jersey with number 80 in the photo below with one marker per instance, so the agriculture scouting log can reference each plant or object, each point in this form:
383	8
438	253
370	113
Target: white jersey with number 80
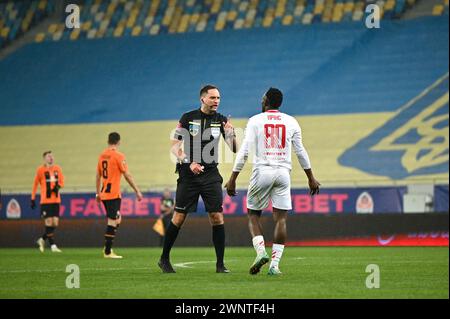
268	137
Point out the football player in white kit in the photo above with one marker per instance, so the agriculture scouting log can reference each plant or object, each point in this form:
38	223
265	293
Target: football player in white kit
268	137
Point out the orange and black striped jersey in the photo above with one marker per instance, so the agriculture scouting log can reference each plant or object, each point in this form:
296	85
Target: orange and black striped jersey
111	165
48	177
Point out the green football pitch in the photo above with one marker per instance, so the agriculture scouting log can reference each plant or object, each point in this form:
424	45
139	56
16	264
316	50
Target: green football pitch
310	272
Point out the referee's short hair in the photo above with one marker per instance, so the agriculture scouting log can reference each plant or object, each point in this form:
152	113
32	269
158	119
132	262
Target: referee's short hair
206	88
113	138
274	97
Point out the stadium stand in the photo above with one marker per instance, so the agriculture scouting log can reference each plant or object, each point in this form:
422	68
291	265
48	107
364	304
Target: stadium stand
17	17
354	79
117	18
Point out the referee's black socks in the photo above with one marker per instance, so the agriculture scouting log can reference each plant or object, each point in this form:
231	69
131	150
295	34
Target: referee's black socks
218	236
169	240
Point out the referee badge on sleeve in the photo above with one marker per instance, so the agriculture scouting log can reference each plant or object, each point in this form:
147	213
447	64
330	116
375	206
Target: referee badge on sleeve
194	128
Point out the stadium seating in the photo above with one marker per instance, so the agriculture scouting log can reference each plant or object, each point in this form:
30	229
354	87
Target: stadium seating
352	81
117	18
17	17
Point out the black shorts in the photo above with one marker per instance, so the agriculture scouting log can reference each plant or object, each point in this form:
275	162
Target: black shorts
190	187
112	207
49	210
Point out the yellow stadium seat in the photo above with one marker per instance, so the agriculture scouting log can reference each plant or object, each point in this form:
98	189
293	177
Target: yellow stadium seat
287	20
100	33
298	11
136	31
52	28
39	37
216	6
438	9
74	34
118	31
307	18
148	21
184	23
57	36
91	33
238	24
220	25
168	16
231	16
194	18
318	9
390	4
42	4
86	25
348	7
154	30
248	22
5	32
267	22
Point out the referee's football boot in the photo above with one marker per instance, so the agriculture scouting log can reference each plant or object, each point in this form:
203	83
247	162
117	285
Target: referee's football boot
166	266
221	269
260	261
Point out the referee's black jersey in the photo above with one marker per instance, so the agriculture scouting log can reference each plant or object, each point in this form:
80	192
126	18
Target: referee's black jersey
201	133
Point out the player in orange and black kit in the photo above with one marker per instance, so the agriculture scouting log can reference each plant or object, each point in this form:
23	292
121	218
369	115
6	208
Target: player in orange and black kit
111	165
50	178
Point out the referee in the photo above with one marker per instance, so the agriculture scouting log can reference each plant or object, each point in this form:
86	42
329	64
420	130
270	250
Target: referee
195	145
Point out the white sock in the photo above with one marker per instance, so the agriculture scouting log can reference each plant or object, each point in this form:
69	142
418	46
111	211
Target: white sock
258	244
277	252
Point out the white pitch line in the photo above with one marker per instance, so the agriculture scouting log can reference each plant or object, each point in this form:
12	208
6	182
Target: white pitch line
63	270
187	264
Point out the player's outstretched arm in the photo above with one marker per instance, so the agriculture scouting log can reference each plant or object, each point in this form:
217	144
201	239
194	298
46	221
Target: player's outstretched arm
133	185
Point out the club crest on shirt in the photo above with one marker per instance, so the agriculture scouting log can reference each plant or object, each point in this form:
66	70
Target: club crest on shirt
194	128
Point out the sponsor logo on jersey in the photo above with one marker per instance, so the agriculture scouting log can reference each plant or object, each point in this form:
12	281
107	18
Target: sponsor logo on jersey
194	128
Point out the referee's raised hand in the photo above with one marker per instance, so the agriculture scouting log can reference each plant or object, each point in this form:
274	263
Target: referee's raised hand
228	127
196	168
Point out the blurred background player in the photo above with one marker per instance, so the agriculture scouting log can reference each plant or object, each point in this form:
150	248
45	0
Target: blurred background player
111	165
199	130
167	206
269	136
50	178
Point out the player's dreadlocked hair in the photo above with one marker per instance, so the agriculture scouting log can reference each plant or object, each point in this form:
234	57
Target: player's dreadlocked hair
274	97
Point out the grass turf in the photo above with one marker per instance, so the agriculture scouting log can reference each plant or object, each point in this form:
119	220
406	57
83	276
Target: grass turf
309	272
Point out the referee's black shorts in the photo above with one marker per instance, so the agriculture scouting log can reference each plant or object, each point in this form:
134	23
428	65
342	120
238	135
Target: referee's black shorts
208	185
